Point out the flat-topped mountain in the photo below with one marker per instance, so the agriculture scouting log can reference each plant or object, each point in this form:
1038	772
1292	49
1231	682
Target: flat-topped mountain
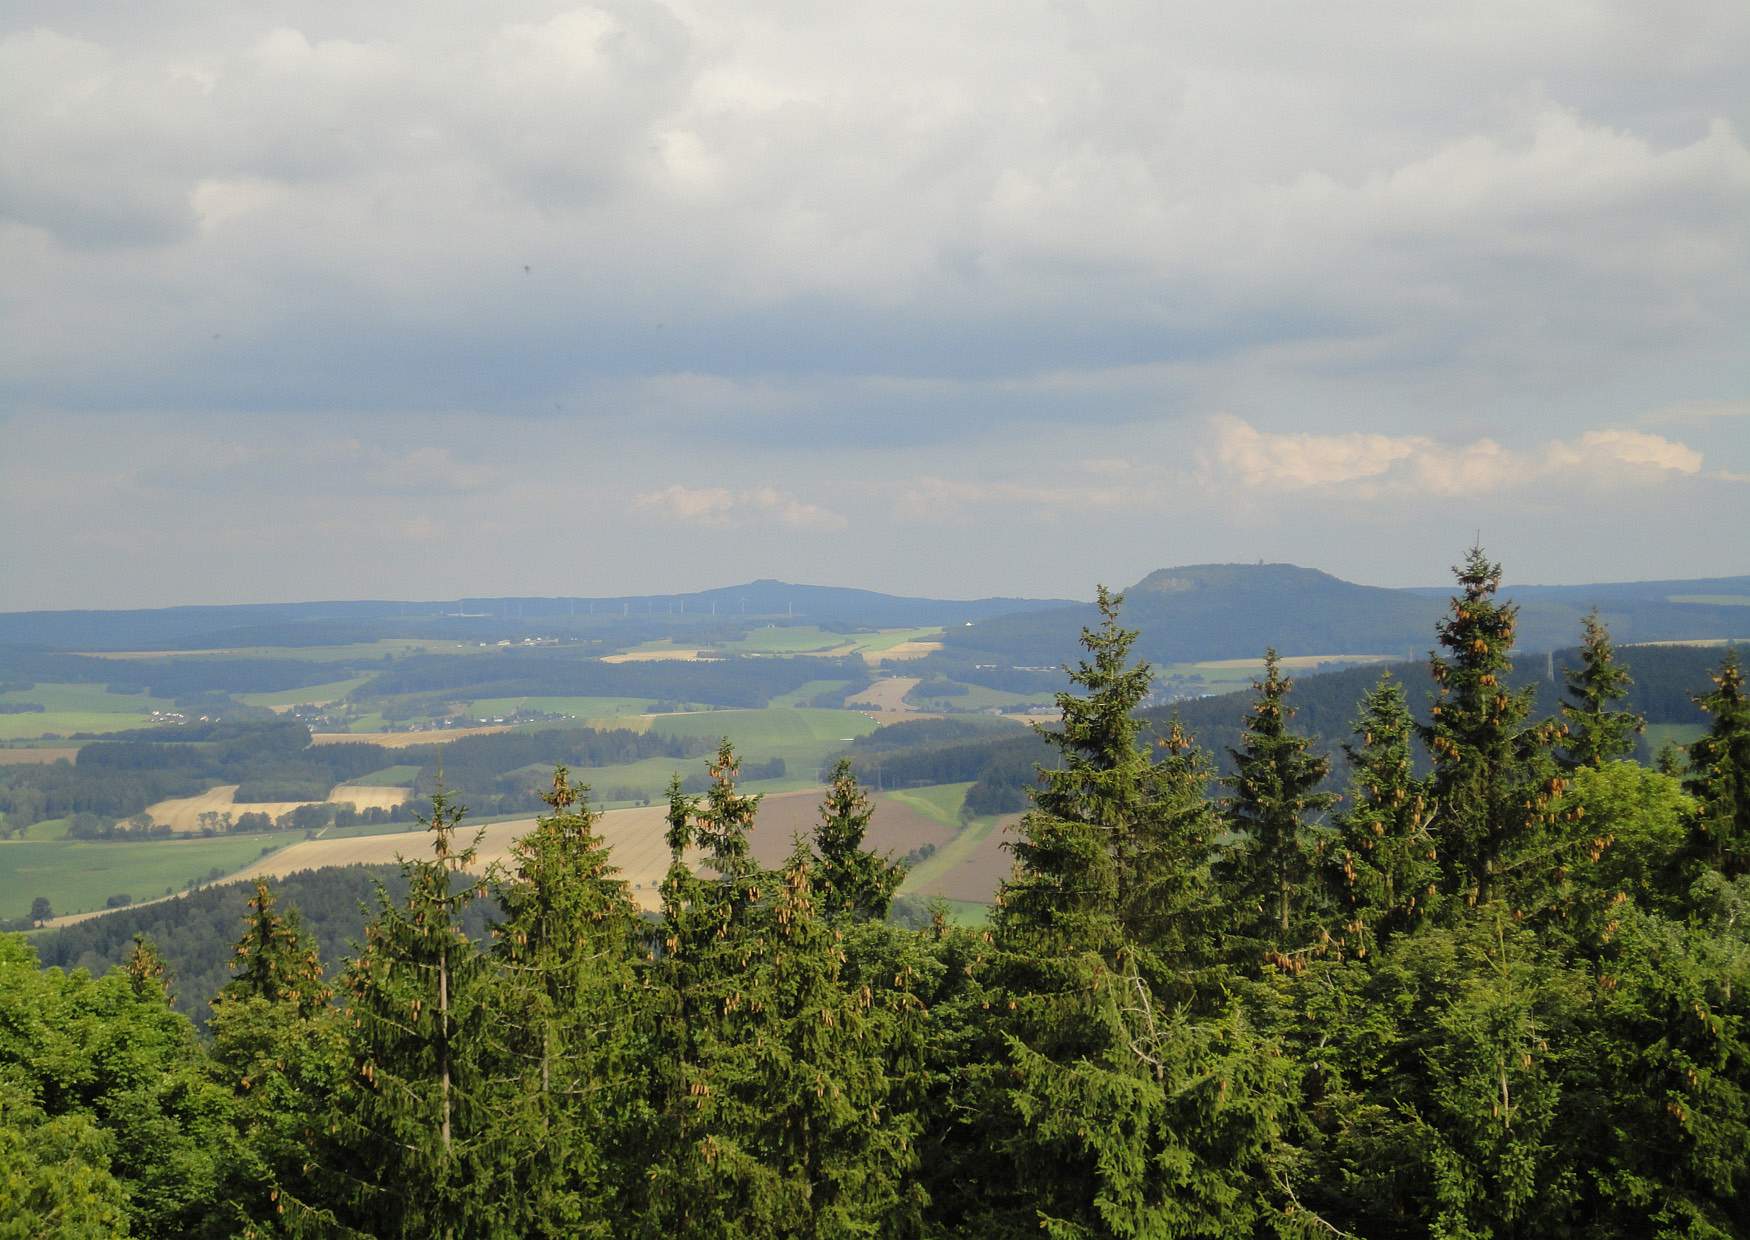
1228	611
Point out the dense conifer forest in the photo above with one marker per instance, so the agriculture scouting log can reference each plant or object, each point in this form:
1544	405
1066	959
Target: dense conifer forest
1484	974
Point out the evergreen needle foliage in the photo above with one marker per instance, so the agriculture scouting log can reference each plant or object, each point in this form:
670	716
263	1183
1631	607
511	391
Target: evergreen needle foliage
1596	732
1382	868
1275	799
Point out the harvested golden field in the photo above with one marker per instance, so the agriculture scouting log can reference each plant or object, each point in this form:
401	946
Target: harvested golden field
637	843
886	695
667	654
404	740
635	838
369	796
30	757
183	813
901	652
378	850
894	828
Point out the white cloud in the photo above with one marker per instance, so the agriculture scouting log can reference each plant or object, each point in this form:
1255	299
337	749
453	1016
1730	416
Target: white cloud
942	253
1636	449
1260	459
1374	464
723	507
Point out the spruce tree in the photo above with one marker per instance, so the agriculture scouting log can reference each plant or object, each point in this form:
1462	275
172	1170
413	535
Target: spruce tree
1112	1110
274	960
279	1045
565	1016
1596	732
1719	775
1494	779
1275	798
805	1081
851	881
1381	868
1077	845
1169	903
414	1129
711	1177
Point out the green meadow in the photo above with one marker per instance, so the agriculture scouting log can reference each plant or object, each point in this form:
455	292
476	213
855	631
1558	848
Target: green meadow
804	738
977	697
70	708
79	875
399	776
584	709
1660	735
309	695
942	802
808	639
807	692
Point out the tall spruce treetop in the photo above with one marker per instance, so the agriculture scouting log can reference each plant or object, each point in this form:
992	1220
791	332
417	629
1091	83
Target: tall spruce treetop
1719	775
1077	842
851	880
275	960
1115	1112
564	894
1382	867
566	1023
1168	903
1597	733
714	998
1493	778
725	818
1275	796
415	1125
279	1044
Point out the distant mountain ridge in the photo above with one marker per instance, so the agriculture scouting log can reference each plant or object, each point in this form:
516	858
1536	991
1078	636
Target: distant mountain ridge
470	617
1188	613
1199	612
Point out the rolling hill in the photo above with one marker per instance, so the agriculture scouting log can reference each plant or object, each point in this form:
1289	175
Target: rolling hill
1233	611
643	616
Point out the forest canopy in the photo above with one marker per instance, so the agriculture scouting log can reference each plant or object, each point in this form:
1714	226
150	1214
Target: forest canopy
1481	973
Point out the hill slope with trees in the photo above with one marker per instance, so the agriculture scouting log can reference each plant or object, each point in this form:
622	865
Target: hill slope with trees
1233	611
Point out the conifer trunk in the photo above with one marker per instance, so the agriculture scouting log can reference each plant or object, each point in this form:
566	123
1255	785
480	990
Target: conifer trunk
443	1048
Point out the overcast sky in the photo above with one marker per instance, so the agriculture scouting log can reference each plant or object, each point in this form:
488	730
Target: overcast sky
316	300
